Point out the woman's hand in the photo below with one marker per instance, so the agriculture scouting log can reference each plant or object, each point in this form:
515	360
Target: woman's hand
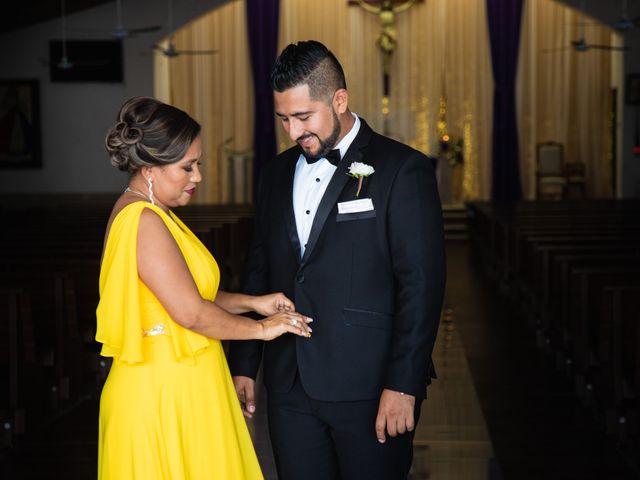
285	322
271	304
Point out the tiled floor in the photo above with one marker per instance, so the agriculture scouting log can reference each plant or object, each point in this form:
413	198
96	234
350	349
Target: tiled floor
497	411
452	441
260	433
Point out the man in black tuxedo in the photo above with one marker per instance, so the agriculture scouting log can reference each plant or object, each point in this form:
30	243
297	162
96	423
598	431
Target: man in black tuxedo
363	259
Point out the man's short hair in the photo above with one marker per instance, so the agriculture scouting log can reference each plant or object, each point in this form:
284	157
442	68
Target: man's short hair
308	63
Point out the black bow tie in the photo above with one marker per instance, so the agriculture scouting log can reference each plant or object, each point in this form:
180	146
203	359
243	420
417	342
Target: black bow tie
333	156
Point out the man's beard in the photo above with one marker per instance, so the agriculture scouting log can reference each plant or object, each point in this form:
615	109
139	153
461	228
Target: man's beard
328	143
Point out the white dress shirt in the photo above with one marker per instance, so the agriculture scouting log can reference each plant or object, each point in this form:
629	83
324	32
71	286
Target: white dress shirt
311	181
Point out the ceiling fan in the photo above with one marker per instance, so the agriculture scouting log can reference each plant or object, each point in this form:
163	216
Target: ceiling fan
626	23
65	63
120	31
623	25
169	49
580	44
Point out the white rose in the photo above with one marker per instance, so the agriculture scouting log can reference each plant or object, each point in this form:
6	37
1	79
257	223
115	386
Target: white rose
358	169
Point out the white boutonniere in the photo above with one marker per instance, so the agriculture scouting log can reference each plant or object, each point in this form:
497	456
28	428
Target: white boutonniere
360	171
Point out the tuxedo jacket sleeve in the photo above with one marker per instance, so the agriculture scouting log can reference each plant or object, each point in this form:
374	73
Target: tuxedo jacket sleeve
416	250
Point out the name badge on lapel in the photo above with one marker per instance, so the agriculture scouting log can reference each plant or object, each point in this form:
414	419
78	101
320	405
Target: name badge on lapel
355	206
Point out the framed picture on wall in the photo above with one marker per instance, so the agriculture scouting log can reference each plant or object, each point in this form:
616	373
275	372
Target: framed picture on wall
20	145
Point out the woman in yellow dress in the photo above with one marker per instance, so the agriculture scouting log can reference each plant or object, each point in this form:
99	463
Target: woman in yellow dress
168	409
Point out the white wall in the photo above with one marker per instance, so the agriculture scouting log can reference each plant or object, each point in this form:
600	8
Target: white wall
631	164
609	12
76	116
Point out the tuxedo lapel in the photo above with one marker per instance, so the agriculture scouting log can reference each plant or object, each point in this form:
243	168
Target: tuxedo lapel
287	203
335	187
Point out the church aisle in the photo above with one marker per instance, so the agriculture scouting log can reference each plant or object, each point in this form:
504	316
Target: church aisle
452	441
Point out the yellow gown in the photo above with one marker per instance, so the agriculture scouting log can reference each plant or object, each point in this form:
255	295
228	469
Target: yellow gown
168	409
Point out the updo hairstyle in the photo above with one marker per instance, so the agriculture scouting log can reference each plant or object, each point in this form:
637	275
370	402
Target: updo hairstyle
149	132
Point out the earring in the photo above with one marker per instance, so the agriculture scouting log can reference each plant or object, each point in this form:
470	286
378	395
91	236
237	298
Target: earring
150	187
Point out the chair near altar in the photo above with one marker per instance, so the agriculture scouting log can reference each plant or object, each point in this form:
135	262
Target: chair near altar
550	179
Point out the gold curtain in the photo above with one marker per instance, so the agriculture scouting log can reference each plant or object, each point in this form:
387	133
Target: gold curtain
217	90
564	95
442	48
440	43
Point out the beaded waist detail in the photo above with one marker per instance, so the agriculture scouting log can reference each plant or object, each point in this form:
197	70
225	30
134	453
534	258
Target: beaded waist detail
157	329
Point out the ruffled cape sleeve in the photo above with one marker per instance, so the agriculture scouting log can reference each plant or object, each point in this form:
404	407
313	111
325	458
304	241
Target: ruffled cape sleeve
119	325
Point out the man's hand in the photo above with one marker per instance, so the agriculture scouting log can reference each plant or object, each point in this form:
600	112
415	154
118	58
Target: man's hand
395	414
245	388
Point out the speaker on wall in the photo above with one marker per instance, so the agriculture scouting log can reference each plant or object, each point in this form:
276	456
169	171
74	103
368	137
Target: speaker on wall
633	89
86	61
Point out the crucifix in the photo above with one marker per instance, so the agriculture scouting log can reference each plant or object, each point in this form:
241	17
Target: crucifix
387	40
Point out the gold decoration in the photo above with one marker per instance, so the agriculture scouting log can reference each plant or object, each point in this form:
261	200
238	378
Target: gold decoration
387	11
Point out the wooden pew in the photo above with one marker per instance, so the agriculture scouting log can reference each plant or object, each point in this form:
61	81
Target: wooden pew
558	262
581	320
19	368
619	352
65	294
11	409
547	268
495	229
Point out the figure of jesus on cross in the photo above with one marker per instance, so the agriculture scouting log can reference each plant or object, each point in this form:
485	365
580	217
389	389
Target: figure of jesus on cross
387	40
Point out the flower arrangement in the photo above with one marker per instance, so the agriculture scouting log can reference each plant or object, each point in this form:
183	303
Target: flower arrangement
452	149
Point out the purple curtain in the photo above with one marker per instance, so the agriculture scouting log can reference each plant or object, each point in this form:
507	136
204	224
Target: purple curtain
504	32
262	25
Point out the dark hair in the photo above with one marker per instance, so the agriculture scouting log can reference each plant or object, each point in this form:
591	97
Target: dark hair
149	132
308	63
